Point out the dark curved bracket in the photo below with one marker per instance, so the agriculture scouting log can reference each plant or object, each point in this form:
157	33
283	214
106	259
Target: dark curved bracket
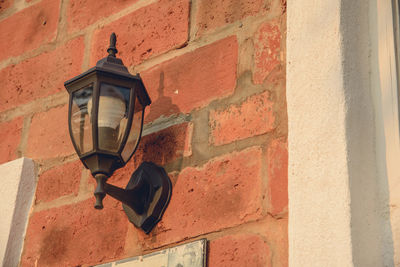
144	199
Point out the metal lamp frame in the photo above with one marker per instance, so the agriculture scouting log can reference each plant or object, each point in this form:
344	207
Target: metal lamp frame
149	190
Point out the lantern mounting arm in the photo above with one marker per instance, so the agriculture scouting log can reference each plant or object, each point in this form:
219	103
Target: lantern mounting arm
145	197
137	197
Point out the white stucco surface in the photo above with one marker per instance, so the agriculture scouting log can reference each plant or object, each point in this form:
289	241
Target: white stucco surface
319	197
17	188
337	193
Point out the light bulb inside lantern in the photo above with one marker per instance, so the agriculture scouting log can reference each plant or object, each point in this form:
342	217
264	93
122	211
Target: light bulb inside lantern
112	116
111	111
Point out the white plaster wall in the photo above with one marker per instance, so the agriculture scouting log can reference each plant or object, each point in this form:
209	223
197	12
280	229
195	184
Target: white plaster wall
338	209
18	184
319	197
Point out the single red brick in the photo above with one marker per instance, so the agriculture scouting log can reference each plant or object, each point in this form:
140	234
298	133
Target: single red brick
5	4
224	192
253	117
161	147
75	235
82	13
267	49
48	135
192	80
212	14
278	176
240	250
166	145
276	232
40	76
10	136
149	31
29	28
59	181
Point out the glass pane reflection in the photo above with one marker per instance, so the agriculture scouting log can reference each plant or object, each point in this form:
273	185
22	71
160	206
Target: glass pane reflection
135	131
81	126
112	116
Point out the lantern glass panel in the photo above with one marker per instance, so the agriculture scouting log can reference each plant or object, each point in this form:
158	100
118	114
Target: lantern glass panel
135	132
112	116
81	126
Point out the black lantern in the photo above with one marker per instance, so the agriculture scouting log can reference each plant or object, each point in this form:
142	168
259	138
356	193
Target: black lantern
106	110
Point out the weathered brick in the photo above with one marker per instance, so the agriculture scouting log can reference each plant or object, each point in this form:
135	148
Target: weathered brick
192	80
166	145
149	31
267	50
29	28
5	4
276	232
75	235
82	13
253	117
212	14
223	193
40	76
10	136
277	155
161	147
240	250
59	181
48	134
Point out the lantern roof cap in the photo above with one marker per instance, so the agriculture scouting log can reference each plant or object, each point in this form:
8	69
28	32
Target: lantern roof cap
108	65
111	65
111	62
105	68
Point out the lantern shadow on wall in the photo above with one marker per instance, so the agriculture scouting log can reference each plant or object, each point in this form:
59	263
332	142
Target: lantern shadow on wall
106	110
165	146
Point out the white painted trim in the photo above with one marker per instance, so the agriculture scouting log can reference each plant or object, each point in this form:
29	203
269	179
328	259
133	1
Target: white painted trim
388	83
18	184
338	193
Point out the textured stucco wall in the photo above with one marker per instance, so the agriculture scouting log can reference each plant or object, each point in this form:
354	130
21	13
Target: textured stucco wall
319	195
17	188
337	194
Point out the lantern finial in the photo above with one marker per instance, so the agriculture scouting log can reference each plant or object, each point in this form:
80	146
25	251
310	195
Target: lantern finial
112	50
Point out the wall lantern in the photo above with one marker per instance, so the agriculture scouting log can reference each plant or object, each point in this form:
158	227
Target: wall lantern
106	109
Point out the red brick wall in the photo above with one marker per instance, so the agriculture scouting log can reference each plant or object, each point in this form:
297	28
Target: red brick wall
215	71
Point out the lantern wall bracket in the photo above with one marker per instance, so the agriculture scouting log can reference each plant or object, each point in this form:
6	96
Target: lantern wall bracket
144	199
